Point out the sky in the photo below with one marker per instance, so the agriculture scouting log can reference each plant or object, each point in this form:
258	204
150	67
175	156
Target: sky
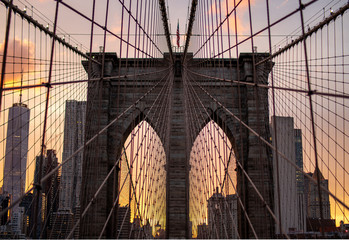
75	27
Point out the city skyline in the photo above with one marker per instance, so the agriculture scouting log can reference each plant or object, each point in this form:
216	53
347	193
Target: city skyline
26	48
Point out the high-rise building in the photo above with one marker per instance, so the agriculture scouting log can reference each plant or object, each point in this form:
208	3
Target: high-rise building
50	191
286	180
222	216
16	158
300	180
203	231
299	159
123	223
232	202
74	131
4	203
26	203
135	226
313	200
16	150
17	218
62	222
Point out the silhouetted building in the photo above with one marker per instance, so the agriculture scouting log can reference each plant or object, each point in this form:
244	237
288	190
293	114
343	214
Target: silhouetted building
136	228
222	216
190	229
62	223
203	231
27	203
16	159
299	159
300	180
4	203
147	230
75	220
159	232
344	229
325	225
49	193
313	202
51	188
123	222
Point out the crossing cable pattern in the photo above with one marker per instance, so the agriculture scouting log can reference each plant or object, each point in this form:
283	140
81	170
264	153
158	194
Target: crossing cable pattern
305	74
298	86
139	37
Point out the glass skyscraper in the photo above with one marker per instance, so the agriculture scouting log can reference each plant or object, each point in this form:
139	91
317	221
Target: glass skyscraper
16	150
16	155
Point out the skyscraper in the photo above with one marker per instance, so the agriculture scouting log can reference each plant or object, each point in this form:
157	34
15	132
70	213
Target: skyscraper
313	208
287	198
49	192
26	203
299	159
123	226
74	131
16	157
62	222
4	202
312	202
300	180
16	150
222	216
202	231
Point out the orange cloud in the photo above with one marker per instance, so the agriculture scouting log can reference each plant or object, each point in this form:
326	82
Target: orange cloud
241	27
20	59
241	10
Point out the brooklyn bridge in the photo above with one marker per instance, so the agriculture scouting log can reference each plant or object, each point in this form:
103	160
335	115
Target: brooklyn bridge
184	119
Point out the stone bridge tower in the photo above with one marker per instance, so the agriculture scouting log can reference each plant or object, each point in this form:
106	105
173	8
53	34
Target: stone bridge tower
115	93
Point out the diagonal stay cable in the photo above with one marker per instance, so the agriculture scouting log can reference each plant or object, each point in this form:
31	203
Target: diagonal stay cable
111	171
116	200
271	146
248	177
107	30
106	178
43	179
140	27
216	30
258	32
304	36
103	130
215	146
313	92
250	223
139	147
82	80
23	14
